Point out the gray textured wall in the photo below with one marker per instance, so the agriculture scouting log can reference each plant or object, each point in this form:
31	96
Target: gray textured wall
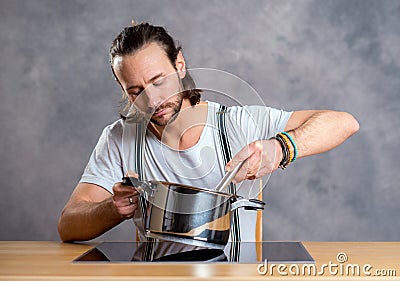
57	93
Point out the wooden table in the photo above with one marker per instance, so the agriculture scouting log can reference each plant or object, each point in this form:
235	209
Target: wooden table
53	261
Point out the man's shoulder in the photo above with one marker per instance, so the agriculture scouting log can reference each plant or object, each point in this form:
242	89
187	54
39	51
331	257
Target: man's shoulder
216	106
244	107
115	128
236	111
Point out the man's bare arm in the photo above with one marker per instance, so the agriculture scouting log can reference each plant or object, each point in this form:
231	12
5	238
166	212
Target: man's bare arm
313	131
317	131
92	210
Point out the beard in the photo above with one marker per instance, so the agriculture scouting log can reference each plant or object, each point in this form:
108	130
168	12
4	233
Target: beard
175	107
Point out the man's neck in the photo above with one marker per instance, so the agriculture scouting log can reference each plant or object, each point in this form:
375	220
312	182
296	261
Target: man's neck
185	131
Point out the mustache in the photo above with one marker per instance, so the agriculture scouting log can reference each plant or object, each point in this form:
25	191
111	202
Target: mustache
163	106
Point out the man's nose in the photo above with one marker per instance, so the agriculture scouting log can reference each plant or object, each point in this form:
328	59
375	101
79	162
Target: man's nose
151	98
146	102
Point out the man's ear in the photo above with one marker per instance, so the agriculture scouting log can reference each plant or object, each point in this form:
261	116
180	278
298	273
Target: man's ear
180	65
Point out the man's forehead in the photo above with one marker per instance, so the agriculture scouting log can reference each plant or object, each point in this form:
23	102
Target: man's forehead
146	63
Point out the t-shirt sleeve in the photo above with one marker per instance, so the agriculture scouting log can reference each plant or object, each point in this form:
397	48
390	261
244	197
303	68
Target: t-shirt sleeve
260	122
105	165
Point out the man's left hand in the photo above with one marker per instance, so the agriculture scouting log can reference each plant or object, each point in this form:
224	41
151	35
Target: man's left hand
261	157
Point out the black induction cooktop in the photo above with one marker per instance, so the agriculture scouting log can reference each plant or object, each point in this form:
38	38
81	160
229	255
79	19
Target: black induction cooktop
239	252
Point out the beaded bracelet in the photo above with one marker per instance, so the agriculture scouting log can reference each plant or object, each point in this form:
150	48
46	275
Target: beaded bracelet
295	151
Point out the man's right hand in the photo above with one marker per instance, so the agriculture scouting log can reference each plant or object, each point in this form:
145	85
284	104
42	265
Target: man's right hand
92	210
125	200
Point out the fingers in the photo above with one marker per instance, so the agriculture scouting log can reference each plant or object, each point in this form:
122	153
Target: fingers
246	154
120	189
261	160
125	199
242	155
125	208
132	174
249	168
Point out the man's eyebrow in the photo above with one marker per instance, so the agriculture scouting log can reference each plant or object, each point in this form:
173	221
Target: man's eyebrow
151	80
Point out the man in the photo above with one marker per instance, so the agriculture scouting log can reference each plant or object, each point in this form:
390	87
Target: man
151	72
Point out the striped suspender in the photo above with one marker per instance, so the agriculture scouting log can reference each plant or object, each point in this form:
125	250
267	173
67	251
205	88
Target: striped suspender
227	155
140	136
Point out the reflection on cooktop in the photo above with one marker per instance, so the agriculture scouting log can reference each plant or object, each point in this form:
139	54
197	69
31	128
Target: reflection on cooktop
241	252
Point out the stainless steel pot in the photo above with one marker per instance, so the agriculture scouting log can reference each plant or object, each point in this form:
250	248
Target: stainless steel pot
188	214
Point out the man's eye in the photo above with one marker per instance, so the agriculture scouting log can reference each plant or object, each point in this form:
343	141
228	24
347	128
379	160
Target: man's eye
133	94
158	83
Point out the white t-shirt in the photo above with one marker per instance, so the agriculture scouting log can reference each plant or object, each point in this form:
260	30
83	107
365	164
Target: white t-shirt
201	165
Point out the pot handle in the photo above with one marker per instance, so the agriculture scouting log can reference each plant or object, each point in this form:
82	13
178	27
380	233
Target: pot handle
143	187
248	204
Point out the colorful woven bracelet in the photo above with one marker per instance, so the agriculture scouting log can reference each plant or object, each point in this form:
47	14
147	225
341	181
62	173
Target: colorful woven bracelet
295	151
288	144
285	152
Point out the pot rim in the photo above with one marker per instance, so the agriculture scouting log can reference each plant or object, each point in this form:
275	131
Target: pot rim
167	183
